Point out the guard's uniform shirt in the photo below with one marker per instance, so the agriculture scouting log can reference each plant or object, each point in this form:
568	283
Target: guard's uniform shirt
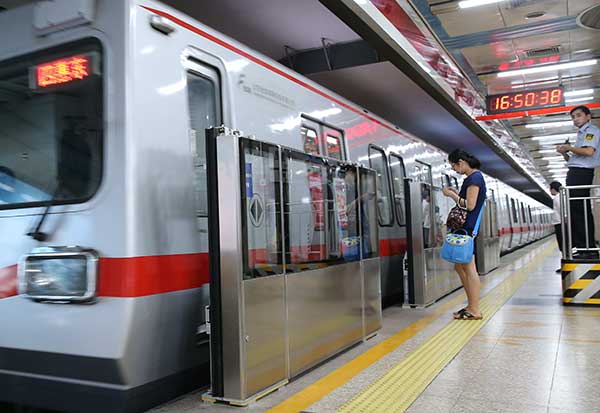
588	135
581	172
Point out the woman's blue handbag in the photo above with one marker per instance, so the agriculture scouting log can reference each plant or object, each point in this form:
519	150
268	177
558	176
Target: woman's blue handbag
458	248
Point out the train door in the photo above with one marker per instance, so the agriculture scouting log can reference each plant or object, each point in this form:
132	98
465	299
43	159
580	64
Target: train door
428	276
521	223
398	243
514	224
488	241
204	105
391	276
524	225
533	224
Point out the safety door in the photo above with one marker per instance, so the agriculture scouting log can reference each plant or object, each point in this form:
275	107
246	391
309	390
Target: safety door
294	263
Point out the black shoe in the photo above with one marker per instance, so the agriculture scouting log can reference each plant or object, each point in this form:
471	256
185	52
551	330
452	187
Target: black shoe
558	271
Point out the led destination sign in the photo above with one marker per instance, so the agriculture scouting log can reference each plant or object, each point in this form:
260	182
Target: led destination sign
525	100
62	71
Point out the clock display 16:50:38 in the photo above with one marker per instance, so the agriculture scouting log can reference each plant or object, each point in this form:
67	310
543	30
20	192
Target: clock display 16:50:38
527	99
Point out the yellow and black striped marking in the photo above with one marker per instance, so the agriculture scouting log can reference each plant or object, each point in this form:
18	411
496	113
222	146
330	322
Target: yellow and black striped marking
581	283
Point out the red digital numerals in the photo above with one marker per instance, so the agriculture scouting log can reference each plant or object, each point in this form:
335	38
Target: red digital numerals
534	99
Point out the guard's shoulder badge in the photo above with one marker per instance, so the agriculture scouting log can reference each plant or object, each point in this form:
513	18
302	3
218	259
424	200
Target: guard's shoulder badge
589	137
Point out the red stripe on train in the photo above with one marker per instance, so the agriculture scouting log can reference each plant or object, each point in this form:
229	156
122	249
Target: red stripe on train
391	247
135	276
139	276
8	281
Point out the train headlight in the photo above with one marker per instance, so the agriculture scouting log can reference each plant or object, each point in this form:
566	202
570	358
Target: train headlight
64	274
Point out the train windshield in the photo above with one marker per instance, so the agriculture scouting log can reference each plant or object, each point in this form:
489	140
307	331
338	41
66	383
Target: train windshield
51	126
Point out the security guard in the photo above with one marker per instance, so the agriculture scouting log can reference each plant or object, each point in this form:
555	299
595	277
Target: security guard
584	157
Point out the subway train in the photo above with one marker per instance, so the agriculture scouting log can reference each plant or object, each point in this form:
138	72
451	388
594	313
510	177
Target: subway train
105	199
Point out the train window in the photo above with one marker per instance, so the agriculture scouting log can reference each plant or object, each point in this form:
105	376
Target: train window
310	140
333	144
261	214
378	162
424	173
430	204
445	180
321	138
370	238
342	214
203	101
398	175
455	182
51	135
418	174
514	211
530	215
306	195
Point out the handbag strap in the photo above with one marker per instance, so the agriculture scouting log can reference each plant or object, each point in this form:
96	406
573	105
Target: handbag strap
476	229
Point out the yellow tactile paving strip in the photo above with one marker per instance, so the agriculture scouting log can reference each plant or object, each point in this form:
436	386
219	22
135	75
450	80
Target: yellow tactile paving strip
399	388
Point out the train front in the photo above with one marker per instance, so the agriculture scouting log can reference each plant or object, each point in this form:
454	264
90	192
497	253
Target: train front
80	328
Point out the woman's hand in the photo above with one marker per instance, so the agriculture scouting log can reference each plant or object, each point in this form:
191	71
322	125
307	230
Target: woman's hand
448	191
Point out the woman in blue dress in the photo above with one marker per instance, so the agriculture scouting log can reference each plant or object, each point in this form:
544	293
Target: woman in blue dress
471	196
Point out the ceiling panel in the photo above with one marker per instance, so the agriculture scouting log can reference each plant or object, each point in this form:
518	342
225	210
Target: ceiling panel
476	19
517	15
486	58
577	6
534	42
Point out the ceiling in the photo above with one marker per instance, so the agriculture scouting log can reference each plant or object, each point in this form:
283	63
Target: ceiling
513	34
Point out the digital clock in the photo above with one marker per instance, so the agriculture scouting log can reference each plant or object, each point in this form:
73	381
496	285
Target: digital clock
525	100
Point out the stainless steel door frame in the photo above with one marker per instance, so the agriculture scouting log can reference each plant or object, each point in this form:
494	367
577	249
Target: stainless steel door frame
230	236
272	327
244	326
416	258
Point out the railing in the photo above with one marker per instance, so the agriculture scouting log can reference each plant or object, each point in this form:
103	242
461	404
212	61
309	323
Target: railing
566	200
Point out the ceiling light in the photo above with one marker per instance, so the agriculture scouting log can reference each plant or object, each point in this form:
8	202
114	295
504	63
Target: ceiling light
515	82
549	124
559	136
548	158
535	83
547	68
545	150
582	51
578	92
474	3
579	99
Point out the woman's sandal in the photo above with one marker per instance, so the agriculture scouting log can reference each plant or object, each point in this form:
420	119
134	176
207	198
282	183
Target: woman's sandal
465	315
459	312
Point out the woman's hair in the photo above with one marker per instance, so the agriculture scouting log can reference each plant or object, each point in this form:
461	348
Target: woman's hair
458	154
